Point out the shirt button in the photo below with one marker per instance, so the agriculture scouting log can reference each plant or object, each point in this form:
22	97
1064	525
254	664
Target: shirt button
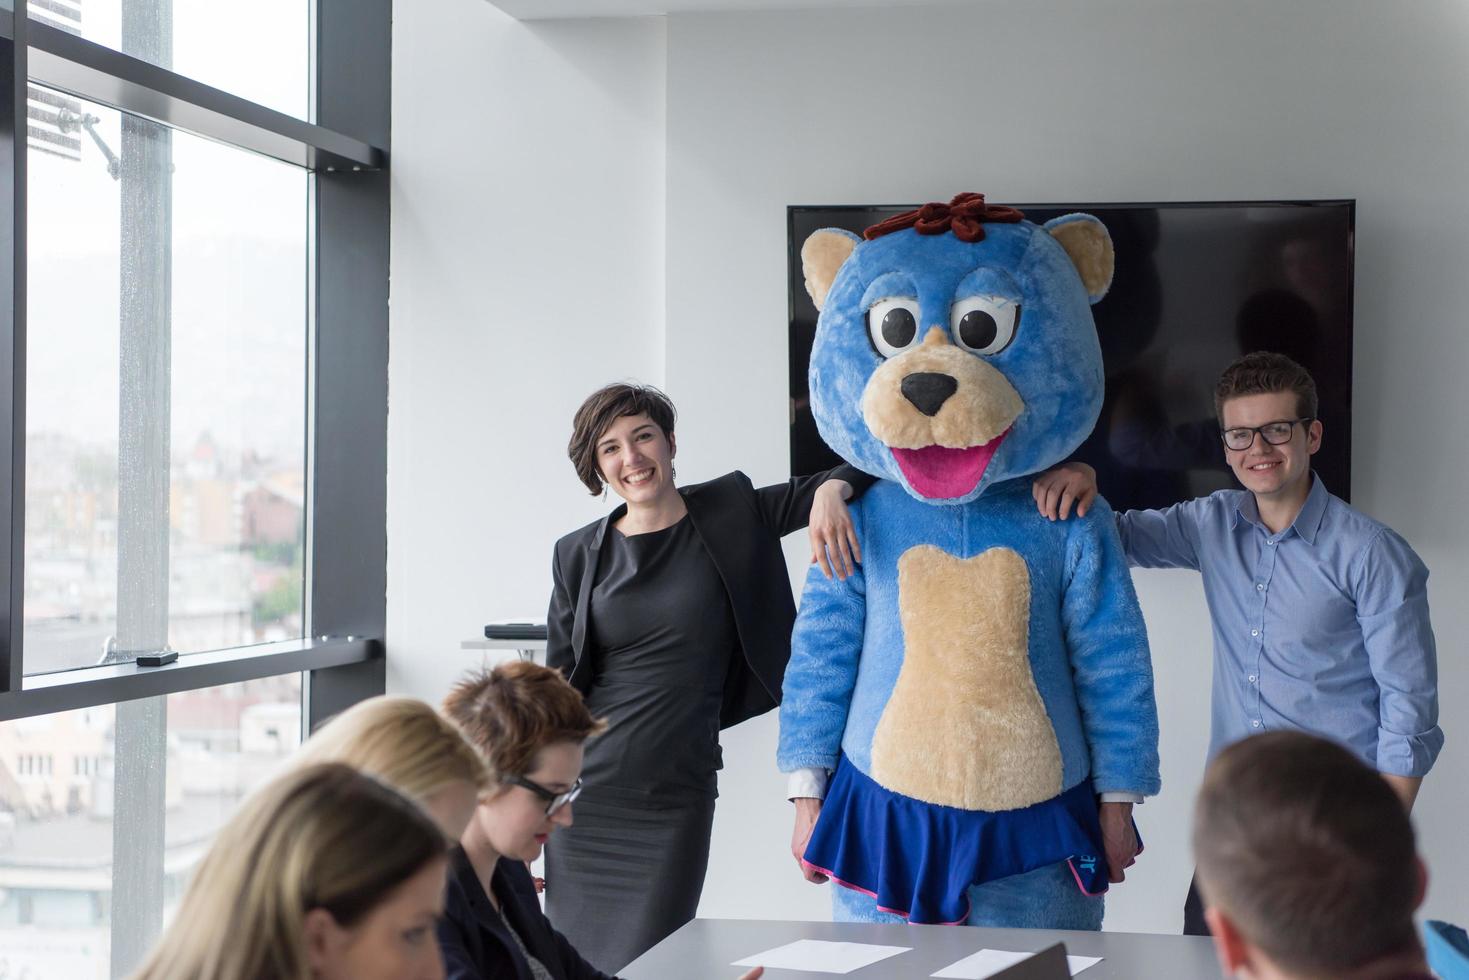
1254	632
1252	678
1255	723
1259	586
1269	540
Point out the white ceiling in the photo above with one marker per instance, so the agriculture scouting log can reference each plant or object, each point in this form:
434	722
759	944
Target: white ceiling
555	9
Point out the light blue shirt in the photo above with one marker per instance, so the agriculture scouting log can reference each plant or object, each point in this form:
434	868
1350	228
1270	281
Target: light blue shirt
1322	628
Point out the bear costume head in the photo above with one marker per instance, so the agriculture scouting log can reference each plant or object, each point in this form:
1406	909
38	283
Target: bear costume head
955	347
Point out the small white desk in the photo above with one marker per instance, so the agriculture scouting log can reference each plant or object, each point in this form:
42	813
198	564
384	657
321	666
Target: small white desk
528	649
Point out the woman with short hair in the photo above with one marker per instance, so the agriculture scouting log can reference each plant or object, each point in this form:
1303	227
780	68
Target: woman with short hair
322	874
673	616
531	726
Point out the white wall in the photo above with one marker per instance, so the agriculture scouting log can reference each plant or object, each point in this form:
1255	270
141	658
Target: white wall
1112	101
528	195
500	325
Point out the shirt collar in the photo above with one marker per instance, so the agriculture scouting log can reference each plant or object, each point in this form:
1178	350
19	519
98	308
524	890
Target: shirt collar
1244	506
1307	522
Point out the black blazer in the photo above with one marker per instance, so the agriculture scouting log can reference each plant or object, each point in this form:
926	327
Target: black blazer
473	938
741	528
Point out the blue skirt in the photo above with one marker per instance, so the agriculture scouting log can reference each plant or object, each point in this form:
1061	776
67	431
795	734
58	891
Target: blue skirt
918	859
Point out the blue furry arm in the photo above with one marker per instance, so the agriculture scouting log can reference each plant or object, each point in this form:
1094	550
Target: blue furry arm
1108	646
826	645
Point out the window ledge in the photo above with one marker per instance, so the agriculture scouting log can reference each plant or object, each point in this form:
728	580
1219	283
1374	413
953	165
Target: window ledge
43	694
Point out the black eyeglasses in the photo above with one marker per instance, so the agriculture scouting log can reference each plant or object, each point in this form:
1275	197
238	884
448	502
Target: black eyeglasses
1276	433
554	801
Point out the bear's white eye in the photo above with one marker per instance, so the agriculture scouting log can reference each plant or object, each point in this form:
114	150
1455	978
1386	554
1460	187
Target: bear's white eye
984	324
893	324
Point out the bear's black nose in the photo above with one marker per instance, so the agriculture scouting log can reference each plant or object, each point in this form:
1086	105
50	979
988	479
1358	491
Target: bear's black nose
928	391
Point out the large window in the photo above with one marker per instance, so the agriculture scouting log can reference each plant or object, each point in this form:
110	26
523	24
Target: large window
220	291
193	254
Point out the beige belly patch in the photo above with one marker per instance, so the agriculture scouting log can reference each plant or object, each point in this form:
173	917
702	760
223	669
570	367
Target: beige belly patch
965	725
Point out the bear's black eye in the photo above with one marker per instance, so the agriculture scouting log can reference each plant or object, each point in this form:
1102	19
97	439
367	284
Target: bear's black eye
898	328
892	325
984	324
977	329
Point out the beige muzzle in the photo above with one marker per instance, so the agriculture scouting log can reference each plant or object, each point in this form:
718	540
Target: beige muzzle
983	405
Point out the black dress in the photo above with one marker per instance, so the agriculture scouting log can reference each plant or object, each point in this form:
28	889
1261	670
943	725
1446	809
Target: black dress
630	869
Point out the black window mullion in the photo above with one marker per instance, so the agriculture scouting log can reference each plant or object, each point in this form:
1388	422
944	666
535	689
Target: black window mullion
12	349
348	520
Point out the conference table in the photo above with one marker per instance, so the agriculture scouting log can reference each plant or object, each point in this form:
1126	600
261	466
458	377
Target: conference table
704	949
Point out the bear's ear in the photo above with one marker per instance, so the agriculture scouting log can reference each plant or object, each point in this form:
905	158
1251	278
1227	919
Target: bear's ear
1086	240
821	256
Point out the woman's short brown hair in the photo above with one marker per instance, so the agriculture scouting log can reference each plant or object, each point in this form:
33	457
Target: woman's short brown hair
603	407
513	712
1266	373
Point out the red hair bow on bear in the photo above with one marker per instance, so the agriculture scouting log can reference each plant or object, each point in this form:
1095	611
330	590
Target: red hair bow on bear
964	216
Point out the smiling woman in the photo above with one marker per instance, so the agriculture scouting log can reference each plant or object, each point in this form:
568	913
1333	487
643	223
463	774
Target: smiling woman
672	615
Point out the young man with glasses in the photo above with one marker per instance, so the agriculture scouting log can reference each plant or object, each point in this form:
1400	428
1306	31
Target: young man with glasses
1319	612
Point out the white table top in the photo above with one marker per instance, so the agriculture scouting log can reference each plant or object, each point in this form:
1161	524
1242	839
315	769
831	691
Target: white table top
705	948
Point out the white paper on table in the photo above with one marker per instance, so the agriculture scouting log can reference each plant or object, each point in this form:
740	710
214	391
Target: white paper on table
988	962
820	956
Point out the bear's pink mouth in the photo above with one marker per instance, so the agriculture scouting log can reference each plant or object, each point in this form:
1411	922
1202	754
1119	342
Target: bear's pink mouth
938	472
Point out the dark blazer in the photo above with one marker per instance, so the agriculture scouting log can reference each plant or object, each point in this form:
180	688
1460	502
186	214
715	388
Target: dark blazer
473	938
741	528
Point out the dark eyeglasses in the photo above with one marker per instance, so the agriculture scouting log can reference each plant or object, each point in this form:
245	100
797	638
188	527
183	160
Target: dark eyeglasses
1276	433
554	801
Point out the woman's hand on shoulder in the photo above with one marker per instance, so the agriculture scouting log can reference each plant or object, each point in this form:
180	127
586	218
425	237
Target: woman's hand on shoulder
1059	487
833	537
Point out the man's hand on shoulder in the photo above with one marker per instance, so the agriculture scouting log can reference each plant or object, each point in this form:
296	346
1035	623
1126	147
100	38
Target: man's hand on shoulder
1061	486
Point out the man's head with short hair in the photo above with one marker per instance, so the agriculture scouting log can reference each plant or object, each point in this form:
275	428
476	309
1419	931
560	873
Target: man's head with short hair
1266	373
1306	856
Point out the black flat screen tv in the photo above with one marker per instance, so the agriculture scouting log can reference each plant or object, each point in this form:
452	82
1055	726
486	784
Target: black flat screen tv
1196	285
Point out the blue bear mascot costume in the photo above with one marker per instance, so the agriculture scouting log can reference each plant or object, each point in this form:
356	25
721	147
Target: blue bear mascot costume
983	679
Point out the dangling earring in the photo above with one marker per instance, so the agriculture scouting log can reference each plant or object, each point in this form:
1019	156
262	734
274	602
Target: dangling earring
672	472
604	489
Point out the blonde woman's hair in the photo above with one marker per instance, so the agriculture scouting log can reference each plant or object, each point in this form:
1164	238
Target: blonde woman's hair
320	836
402	741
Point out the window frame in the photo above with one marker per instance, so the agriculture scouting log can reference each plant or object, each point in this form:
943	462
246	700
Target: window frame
346	155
